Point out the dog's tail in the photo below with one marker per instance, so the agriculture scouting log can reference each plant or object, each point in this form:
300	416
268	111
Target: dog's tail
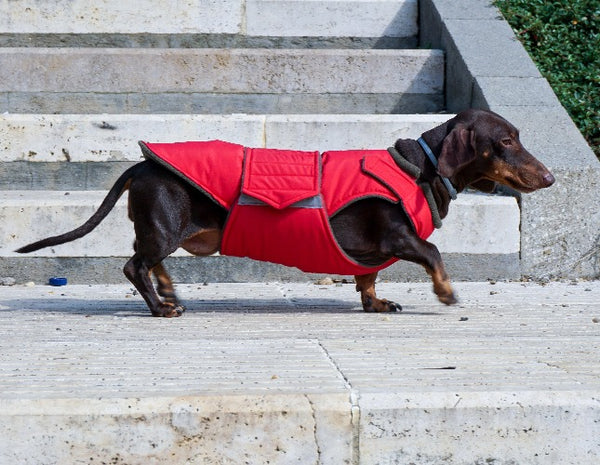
115	192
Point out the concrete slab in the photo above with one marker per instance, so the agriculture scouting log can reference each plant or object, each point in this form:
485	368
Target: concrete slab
398	428
221	70
208	429
332	18
499	57
379	18
298	373
513	91
114	16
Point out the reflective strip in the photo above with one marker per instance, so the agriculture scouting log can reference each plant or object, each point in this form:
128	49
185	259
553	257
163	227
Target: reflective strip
310	202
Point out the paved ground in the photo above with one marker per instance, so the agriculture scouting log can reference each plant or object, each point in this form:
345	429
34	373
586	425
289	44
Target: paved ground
538	345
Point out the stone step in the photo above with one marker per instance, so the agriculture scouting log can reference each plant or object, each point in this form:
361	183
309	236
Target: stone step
148	80
480	230
118	23
296	373
47	152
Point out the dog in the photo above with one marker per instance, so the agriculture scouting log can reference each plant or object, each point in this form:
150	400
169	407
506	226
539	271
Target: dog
475	149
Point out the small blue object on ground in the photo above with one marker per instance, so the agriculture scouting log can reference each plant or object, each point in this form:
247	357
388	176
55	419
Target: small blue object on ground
57	281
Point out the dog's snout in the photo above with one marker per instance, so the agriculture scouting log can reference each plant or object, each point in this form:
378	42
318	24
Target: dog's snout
548	179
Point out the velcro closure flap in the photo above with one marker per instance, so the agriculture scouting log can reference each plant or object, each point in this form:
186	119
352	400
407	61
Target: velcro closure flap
281	178
388	174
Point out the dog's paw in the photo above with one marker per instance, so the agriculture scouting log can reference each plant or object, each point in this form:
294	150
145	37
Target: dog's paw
448	299
168	310
381	306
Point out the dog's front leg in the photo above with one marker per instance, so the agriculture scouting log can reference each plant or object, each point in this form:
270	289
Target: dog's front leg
365	284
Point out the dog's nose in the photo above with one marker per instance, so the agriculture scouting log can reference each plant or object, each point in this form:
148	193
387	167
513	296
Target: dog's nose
548	179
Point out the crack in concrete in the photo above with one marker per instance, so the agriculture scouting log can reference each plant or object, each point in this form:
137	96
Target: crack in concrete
354	405
315	435
354	395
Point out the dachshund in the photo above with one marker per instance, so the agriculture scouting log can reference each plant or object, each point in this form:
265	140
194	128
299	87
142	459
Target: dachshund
475	149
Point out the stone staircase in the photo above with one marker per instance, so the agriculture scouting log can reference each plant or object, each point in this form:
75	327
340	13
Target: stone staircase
285	372
79	87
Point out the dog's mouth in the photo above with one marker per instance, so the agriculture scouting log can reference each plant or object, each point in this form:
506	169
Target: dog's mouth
526	181
527	186
527	176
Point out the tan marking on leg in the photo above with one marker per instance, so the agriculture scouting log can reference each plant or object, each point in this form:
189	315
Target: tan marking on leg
365	284
441	285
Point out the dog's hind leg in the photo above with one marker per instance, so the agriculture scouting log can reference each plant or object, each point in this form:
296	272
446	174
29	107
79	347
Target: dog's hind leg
165	286
138	272
365	284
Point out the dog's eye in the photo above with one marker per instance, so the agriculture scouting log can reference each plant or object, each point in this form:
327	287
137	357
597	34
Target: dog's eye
507	141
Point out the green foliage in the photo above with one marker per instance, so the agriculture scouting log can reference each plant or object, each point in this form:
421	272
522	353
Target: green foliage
563	39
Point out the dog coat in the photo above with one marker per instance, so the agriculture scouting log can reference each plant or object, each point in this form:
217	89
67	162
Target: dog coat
280	201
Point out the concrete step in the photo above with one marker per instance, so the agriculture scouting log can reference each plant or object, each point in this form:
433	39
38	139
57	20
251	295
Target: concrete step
377	18
297	373
134	80
480	230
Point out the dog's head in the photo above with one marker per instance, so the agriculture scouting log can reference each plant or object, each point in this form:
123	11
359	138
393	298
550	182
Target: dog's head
481	148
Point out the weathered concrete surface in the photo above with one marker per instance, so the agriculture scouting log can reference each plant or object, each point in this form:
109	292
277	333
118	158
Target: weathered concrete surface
297	373
79	16
157	73
224	70
209	429
487	67
200	40
501	427
379	18
389	18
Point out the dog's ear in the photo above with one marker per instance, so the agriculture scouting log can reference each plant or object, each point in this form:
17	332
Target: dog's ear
458	149
484	185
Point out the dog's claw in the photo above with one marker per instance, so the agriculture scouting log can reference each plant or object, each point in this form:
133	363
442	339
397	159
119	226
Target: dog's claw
395	307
